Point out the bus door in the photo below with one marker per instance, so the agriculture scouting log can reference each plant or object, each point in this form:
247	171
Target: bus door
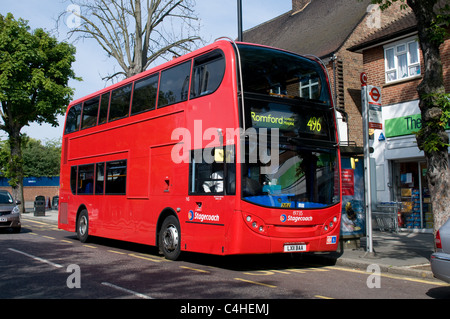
212	183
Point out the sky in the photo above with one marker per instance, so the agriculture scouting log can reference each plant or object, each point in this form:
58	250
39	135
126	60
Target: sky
217	18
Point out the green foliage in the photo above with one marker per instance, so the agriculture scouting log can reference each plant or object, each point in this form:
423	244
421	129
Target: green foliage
34	73
429	135
38	160
35	70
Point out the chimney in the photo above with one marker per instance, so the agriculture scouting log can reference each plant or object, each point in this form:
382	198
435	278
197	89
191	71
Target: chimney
299	5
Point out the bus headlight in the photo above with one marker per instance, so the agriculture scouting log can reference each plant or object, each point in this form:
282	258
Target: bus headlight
330	224
255	223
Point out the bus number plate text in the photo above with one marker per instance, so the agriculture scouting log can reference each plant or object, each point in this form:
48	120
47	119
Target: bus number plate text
291	248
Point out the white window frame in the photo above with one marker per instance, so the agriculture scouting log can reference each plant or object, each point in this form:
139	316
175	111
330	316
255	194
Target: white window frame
310	85
398	50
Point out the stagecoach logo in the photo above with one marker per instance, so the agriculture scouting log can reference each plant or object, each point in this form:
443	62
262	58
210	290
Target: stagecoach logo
203	217
290	218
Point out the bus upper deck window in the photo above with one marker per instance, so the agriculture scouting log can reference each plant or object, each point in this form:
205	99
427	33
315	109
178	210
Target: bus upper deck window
120	103
208	73
144	96
90	111
174	86
73	119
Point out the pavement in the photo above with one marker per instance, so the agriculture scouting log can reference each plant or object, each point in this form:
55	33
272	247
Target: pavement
404	253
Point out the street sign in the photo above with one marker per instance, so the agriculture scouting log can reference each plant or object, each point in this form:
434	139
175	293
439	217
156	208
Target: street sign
363	78
374	95
374	107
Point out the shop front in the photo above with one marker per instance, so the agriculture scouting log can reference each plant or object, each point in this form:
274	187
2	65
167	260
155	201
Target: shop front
411	190
407	169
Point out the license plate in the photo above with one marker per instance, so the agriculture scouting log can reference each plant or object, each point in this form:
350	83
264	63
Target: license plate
296	247
3	219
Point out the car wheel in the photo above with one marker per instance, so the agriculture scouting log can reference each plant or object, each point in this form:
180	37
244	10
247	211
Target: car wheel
83	226
169	238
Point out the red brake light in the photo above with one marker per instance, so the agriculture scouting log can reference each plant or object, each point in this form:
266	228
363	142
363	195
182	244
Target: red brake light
438	240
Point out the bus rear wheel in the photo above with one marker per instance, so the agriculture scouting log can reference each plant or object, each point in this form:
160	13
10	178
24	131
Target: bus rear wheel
169	238
83	226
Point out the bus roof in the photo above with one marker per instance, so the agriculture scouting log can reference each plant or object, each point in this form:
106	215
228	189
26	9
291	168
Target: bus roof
219	43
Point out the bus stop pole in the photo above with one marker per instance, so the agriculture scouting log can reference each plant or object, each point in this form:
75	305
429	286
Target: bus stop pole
367	173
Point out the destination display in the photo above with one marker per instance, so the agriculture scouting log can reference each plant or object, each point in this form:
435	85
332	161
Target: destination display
289	118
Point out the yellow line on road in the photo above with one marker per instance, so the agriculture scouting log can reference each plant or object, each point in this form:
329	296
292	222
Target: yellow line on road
194	269
89	246
256	283
146	258
33	221
49	237
322	297
392	276
66	241
117	252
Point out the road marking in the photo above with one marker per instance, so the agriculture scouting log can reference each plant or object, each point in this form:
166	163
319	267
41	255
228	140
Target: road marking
146	258
49	237
194	269
89	246
117	252
322	297
392	276
66	241
36	258
33	221
131	292
255	282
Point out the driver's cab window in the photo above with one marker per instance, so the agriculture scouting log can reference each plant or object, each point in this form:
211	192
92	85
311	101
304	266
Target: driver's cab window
212	171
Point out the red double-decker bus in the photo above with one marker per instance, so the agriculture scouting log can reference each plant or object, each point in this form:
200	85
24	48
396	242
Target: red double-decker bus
231	149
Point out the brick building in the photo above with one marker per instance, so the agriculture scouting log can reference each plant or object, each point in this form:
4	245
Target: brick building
393	61
326	29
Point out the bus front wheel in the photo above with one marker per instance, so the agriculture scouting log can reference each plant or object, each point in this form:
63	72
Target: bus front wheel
83	226
169	238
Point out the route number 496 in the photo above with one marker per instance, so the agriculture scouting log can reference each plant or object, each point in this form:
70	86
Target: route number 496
314	124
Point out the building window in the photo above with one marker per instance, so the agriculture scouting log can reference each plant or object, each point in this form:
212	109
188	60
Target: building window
402	60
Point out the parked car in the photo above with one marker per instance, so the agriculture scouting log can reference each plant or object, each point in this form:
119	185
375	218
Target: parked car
440	260
9	212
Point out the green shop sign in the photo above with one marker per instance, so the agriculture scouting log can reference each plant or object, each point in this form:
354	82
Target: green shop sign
405	125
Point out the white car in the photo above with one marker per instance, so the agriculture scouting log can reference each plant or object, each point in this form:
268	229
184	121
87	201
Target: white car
440	260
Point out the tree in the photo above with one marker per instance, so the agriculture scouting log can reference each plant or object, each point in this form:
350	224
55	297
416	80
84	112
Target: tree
34	73
136	32
433	20
39	160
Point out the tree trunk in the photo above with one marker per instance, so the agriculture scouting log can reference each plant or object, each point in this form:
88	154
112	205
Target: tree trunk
16	167
438	173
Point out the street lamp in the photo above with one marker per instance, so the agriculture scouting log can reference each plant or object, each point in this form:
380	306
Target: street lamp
239	6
